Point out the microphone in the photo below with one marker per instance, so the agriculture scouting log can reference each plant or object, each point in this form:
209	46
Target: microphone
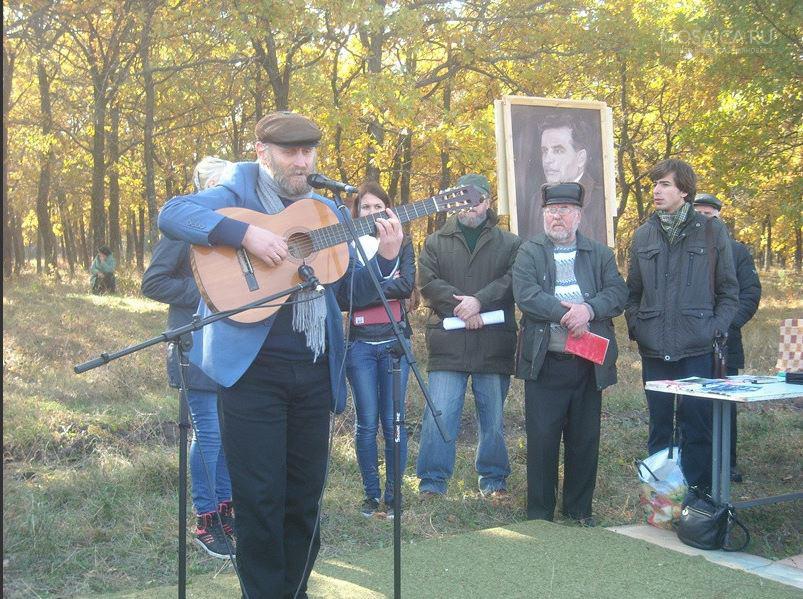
307	274
319	181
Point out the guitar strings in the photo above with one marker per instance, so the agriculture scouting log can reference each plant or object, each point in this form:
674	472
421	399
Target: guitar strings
331	235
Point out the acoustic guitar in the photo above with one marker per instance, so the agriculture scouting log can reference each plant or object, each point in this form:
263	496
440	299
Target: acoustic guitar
228	278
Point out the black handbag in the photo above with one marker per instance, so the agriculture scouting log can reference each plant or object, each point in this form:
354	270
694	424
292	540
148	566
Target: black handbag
706	525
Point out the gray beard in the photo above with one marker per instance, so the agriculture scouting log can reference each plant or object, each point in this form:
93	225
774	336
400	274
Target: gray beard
285	185
290	188
565	237
472	221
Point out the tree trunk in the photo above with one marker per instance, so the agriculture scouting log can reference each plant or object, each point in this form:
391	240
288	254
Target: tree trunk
407	142
267	56
798	249
395	170
376	132
67	231
84	242
8	237
98	210
341	165
406	167
69	251
114	181
131	238
19	241
446	175
38	251
258	106
237	132
48	239
170	181
768	246
141	241
150	109
624	140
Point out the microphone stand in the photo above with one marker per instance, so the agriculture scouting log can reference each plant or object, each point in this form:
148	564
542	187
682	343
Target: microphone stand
181	337
401	348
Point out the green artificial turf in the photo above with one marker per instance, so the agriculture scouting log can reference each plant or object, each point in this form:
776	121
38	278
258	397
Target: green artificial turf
528	559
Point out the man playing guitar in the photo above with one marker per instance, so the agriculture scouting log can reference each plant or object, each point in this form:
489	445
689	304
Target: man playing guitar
279	376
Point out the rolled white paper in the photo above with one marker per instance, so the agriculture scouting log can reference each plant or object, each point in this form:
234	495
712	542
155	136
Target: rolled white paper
495	317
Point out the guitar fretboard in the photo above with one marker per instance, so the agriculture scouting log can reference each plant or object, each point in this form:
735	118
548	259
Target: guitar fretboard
366	225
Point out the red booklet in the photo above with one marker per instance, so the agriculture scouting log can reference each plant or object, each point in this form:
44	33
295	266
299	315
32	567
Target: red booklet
589	346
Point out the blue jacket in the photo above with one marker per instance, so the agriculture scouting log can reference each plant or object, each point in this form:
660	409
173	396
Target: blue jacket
225	349
169	279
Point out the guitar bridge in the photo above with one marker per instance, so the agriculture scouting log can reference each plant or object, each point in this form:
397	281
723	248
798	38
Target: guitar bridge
248	270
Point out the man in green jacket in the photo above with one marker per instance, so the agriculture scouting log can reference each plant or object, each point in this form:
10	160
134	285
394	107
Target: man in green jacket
565	285
465	272
101	271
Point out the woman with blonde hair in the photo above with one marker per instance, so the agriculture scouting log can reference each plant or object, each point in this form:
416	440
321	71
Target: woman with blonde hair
169	279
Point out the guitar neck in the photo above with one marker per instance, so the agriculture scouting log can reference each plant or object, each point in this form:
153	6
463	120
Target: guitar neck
366	225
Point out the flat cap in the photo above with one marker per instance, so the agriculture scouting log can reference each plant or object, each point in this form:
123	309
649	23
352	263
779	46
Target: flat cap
479	181
287	128
562	193
706	199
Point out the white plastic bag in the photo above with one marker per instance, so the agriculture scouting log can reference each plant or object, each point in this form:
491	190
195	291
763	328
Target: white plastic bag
663	487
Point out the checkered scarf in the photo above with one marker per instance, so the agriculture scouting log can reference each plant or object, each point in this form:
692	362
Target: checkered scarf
672	223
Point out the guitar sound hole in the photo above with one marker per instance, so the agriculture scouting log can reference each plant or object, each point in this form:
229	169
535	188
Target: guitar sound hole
300	245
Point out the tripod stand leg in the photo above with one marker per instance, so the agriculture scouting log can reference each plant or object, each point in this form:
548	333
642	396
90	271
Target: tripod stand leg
184	426
397	475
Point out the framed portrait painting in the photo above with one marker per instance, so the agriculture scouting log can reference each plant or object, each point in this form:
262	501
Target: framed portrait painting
545	140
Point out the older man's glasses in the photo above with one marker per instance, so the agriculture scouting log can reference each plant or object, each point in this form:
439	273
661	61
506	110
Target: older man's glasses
562	210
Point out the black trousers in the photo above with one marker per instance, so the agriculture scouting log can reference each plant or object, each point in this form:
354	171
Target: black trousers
562	402
275	428
694	416
104	283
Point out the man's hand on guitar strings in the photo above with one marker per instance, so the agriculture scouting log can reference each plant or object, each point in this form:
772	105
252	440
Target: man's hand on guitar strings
390	234
267	246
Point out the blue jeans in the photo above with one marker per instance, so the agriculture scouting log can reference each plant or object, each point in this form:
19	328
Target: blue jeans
206	493
368	371
436	458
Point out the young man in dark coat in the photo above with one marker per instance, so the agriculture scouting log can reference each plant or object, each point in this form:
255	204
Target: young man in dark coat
749	297
683	295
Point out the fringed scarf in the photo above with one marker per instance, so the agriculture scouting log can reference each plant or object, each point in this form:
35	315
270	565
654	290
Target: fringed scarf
309	311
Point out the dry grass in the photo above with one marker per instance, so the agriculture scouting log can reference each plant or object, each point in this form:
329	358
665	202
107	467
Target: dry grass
90	461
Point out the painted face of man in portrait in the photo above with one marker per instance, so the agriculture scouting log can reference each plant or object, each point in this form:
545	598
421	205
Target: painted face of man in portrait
561	161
